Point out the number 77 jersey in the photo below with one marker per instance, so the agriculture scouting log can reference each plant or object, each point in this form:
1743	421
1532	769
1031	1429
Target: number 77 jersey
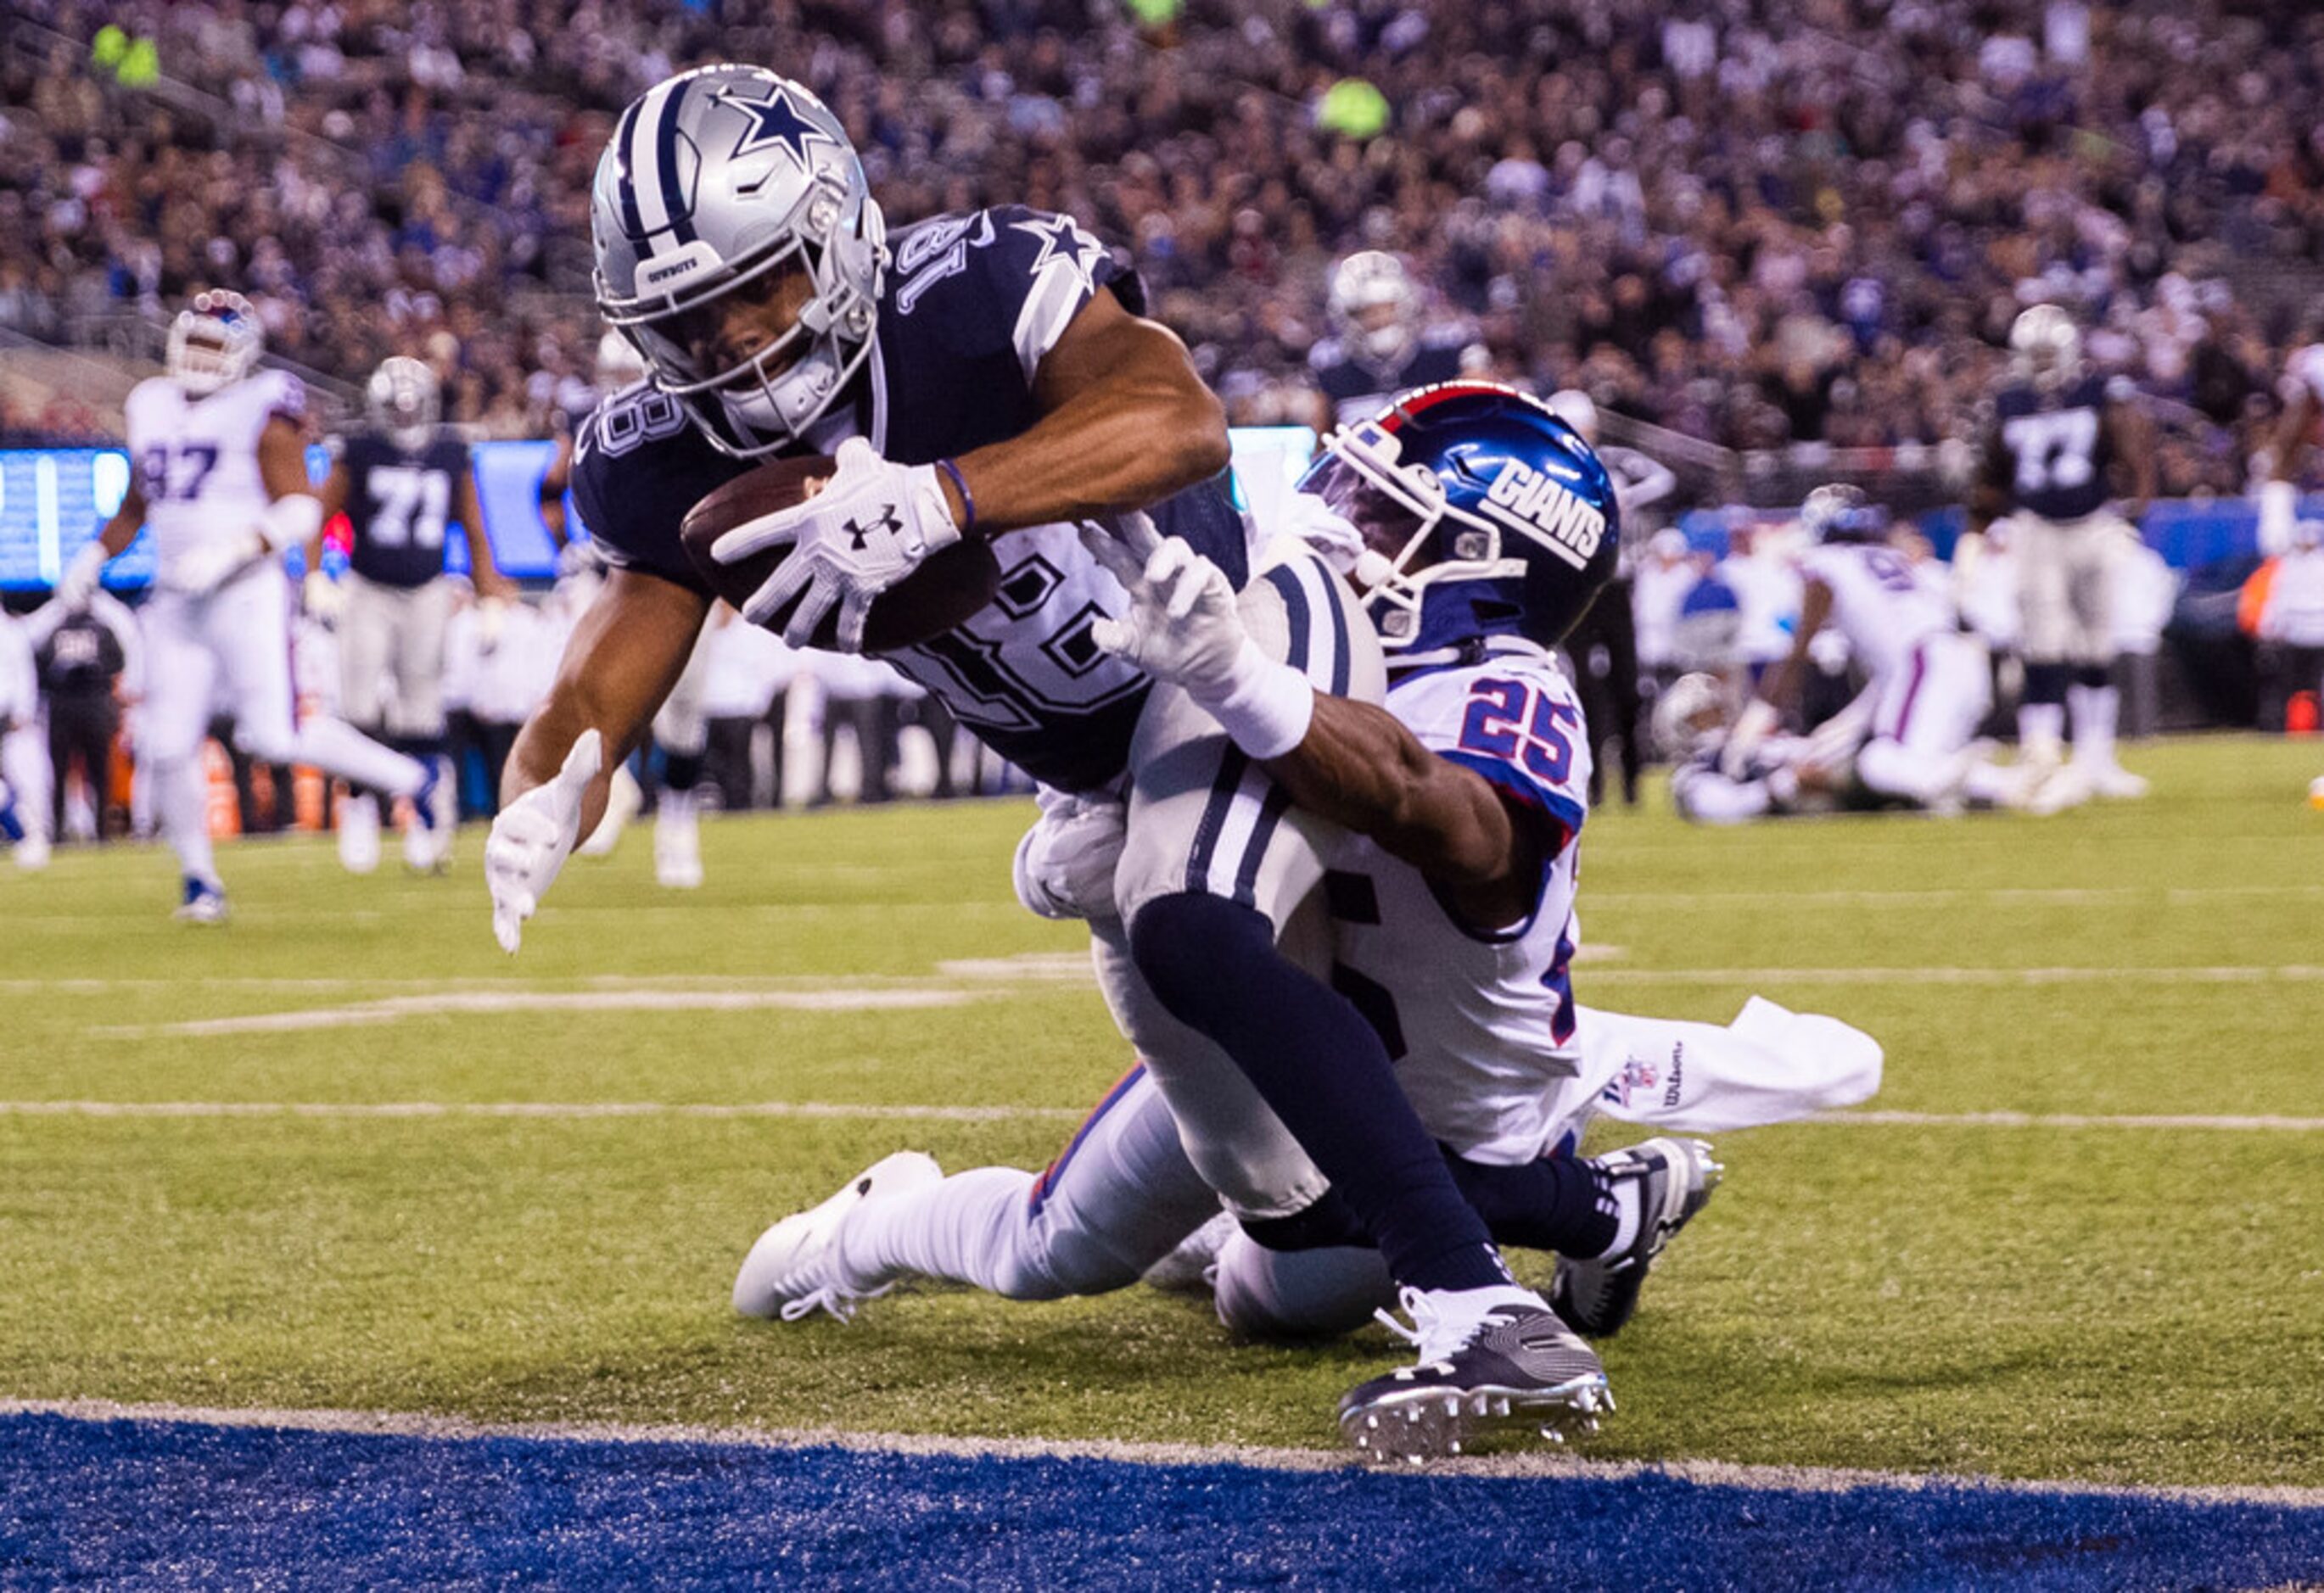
1479	1019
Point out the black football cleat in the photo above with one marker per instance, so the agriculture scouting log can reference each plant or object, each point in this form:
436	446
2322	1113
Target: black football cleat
1676	1178
1512	1366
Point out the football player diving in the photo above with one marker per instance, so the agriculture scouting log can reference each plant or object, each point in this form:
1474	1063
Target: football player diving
1449	910
989	377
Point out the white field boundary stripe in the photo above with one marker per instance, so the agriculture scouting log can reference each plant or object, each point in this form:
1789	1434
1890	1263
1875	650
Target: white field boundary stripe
2255	1123
1809	1479
535	1110
396	1008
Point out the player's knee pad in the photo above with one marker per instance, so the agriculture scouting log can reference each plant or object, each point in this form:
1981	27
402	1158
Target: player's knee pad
1263	1293
1186	946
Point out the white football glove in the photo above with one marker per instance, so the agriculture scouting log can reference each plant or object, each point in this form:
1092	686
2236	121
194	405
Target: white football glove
868	527
1182	625
1066	862
1752	727
533	836
206	566
324	598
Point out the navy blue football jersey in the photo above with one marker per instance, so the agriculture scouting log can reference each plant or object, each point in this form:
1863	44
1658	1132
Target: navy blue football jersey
971	306
2052	450
1357	390
399	504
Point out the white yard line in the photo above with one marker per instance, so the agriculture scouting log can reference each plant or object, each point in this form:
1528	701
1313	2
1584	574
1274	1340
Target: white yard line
2252	1123
1923	974
1996	896
533	1108
1538	1465
396	1008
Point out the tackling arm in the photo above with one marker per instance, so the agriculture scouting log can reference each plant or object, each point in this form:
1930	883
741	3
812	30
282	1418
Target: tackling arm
1361	769
2131	436
1125	422
483	574
1782	684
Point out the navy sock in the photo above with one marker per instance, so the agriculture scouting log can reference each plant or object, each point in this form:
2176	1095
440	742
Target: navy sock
1560	1203
1213	966
681	772
1330	1222
2047	683
2096	676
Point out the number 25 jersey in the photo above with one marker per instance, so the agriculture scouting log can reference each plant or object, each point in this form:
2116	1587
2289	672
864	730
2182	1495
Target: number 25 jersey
1480	1023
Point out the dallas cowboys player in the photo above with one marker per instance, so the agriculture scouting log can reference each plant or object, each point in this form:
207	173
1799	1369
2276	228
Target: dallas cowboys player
996	383
1928	684
2059	434
220	474
1379	347
401	481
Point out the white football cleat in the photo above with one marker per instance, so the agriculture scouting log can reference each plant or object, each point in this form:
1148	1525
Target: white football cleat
359	834
1187	1269
792	1271
204	902
678	843
2056	789
2112	782
33	852
2316	793
434	812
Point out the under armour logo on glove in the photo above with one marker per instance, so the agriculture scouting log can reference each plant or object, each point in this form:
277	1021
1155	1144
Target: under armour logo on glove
858	534
871	526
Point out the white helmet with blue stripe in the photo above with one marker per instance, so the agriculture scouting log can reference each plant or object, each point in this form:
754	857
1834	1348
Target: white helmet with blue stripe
740	249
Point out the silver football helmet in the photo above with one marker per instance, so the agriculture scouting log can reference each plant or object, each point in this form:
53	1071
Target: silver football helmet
405	401
1842	513
213	343
731	185
1374	307
2046	348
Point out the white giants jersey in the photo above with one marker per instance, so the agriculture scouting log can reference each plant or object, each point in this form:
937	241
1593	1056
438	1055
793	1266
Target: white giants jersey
1883	602
197	458
1480	1022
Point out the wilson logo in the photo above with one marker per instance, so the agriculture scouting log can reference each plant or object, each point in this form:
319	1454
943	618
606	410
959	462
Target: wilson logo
1524	499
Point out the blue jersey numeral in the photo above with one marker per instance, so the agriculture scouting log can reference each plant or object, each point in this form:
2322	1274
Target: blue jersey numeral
1510	720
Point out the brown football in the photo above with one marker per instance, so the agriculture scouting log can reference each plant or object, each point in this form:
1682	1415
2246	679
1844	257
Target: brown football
948	588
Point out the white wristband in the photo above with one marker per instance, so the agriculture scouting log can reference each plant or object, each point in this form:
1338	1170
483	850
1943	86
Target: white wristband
1269	708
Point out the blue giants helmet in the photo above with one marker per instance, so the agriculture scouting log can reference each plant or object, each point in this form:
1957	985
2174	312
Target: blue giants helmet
1484	514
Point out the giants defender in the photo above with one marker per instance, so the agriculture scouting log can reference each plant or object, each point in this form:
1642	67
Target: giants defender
997	382
1379	346
2059	435
220	474
400	482
1448	913
1928	684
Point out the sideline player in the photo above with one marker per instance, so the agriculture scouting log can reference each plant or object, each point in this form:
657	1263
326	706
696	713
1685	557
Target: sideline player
220	473
2059	435
995	383
401	481
1928	684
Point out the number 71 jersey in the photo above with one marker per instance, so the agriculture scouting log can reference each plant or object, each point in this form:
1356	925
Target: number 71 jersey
1477	1018
399	503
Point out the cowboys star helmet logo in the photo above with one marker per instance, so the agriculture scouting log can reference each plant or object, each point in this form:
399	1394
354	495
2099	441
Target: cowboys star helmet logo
776	120
859	532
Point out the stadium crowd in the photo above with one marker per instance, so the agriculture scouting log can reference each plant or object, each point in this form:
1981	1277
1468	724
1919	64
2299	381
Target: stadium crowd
1735	231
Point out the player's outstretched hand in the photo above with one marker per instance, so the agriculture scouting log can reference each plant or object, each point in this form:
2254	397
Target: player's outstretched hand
532	837
870	527
1181	625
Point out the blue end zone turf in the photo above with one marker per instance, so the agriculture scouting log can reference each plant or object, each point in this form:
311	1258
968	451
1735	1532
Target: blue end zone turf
130	1504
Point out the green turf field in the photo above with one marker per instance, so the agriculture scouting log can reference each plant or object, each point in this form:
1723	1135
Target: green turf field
2124	1303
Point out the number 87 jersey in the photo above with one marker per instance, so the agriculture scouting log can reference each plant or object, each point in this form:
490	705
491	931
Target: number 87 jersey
196	458
1479	1019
